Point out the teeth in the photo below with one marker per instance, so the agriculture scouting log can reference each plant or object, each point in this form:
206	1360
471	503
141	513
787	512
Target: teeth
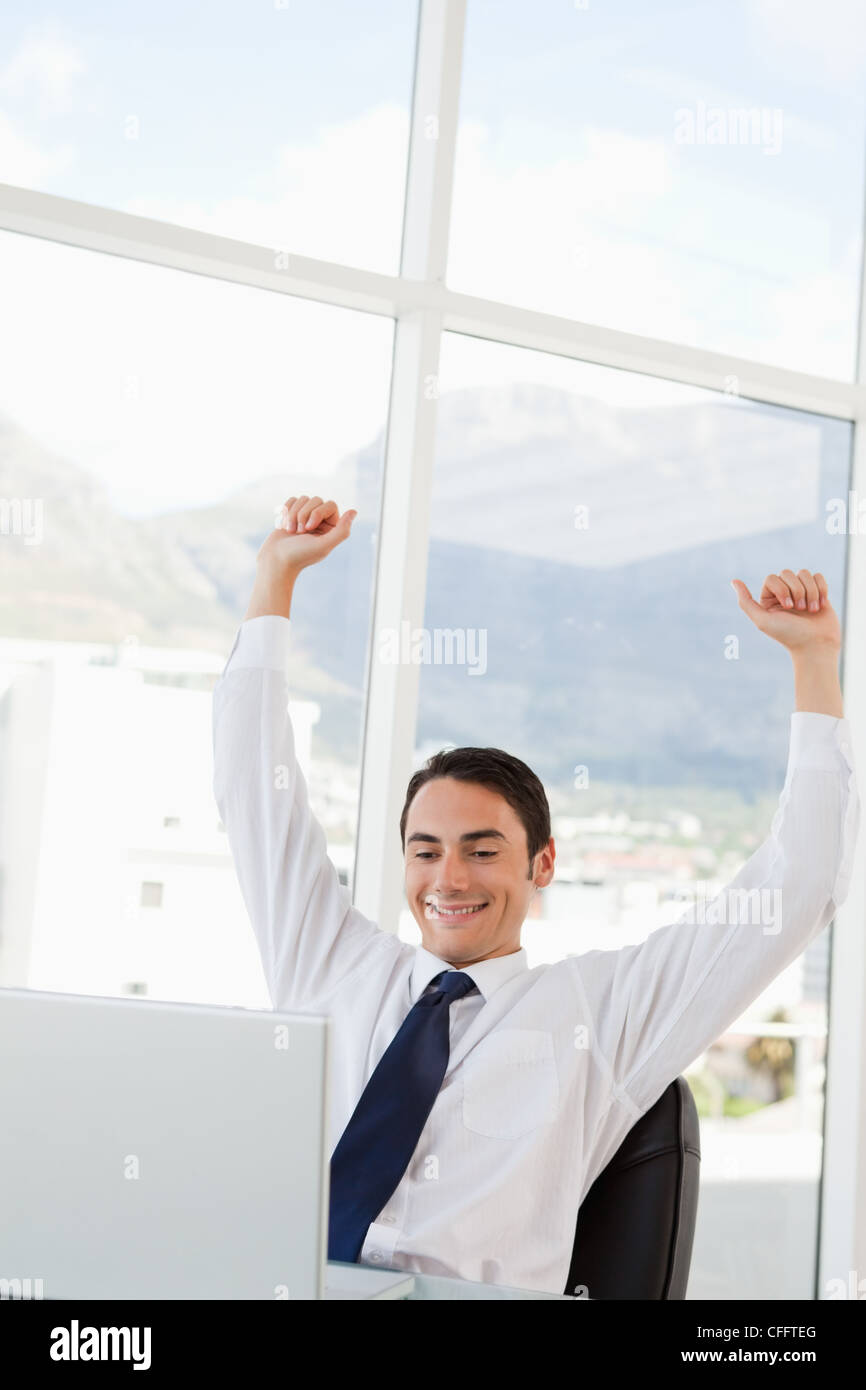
455	911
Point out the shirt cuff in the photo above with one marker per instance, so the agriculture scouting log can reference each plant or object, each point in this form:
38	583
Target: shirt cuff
817	740
262	643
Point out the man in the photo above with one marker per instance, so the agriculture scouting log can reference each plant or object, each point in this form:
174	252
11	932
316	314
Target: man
474	1100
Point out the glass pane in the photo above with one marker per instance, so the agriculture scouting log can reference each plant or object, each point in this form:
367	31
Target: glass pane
690	172
285	124
151	422
586	524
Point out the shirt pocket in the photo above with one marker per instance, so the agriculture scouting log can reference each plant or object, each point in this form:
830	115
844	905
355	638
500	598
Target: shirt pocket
510	1083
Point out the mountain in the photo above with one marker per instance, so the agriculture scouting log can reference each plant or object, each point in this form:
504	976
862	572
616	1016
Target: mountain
592	544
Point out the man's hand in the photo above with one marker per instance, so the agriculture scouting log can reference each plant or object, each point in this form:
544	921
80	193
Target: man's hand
308	529
793	609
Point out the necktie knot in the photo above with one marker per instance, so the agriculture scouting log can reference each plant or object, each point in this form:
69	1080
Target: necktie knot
453	984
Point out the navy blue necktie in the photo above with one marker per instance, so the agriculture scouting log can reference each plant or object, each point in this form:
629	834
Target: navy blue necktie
380	1138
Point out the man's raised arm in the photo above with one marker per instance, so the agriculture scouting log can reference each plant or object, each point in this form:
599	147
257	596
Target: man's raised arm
653	1008
309	934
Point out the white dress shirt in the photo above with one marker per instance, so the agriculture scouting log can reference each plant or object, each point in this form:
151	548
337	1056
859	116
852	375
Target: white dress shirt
550	1067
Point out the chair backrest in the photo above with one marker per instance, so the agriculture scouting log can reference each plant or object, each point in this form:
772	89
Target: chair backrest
636	1224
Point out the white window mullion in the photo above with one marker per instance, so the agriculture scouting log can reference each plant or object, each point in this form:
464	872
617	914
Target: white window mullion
280	270
842	1253
392	688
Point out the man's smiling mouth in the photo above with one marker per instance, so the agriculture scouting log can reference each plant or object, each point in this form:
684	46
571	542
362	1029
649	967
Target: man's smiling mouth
456	912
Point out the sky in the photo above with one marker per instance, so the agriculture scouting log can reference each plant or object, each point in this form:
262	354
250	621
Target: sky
286	124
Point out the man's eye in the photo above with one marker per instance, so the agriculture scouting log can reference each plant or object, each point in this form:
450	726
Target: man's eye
428	854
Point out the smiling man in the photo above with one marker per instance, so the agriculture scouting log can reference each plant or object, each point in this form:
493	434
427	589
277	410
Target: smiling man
470	889
474	1100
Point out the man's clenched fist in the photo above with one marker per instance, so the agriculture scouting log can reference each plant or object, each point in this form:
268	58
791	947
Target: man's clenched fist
307	530
793	609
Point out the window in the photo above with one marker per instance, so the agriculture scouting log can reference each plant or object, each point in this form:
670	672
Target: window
616	509
602	286
184	411
283	124
689	172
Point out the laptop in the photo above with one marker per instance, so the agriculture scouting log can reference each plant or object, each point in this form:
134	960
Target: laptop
154	1150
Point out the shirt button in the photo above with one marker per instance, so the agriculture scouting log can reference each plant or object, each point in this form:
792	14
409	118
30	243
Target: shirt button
376	1255
389	1219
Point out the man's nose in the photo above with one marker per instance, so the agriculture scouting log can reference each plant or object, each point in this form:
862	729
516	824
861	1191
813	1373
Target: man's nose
452	873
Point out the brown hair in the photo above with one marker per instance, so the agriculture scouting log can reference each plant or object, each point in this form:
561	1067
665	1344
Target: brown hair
500	772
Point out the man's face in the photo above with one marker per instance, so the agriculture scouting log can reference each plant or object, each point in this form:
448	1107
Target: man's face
450	862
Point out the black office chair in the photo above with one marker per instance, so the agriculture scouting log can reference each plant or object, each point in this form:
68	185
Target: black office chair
636	1224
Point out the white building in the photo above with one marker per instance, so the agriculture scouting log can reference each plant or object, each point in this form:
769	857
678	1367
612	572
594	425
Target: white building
115	873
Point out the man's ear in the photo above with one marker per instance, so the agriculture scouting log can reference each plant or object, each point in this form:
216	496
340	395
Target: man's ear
544	875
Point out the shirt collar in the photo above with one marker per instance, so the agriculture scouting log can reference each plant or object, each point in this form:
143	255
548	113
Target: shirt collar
488	975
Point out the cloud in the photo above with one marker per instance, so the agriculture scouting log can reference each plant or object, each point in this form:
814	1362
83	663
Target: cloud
338	198
565	237
830	37
40	76
30	163
45	67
